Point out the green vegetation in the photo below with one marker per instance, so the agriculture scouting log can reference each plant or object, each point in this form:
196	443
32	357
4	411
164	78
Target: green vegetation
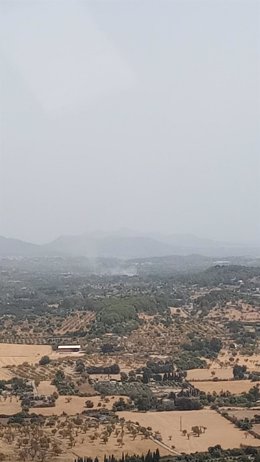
248	399
44	361
216	275
16	385
149	457
64	385
239	372
131	389
189	360
203	347
120	314
214	453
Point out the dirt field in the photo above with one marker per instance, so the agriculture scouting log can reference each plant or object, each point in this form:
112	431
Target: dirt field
99	449
237	312
209	374
243	413
9	407
219	430
45	388
75	322
227	360
5	374
235	387
73	405
14	354
101	378
89	442
252	362
256	428
244	312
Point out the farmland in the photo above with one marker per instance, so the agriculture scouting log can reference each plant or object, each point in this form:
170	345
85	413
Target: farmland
9	405
232	386
73	405
218	430
162	361
15	354
222	373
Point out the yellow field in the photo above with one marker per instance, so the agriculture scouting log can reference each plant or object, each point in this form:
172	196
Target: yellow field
224	373
10	407
242	413
12	354
73	405
252	362
45	388
99	449
235	386
15	354
5	374
218	429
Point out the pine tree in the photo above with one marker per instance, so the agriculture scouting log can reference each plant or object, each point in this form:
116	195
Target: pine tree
157	455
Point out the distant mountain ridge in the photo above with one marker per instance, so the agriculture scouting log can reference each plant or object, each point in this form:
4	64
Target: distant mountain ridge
110	246
17	248
125	245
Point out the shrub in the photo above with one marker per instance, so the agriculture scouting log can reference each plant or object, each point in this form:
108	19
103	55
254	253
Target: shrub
44	360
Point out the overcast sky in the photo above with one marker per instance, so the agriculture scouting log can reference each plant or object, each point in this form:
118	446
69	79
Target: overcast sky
137	114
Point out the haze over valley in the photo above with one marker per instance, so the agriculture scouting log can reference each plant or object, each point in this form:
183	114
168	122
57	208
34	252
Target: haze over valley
129	231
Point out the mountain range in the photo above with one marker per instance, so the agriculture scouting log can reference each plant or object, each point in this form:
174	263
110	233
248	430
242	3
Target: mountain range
126	245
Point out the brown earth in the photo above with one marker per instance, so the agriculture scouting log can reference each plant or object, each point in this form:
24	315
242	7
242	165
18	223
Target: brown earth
73	405
10	407
15	354
234	386
219	430
210	374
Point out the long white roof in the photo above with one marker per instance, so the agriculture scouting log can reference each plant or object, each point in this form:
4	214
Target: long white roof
68	346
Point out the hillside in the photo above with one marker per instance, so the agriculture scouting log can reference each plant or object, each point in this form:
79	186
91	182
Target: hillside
17	248
125	246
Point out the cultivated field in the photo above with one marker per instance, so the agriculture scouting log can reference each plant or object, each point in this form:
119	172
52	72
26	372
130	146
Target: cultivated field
10	406
5	374
236	312
242	413
233	386
45	388
12	354
86	438
76	322
252	362
15	354
224	373
73	405
97	448
218	430
247	315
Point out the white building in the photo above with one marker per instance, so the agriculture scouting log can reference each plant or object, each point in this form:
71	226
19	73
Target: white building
69	348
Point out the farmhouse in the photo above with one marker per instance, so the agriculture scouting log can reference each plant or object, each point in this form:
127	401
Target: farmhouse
68	348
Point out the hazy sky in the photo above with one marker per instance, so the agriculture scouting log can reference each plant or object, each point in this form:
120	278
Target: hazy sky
137	114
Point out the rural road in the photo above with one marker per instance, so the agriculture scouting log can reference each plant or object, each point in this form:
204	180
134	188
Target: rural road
165	446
